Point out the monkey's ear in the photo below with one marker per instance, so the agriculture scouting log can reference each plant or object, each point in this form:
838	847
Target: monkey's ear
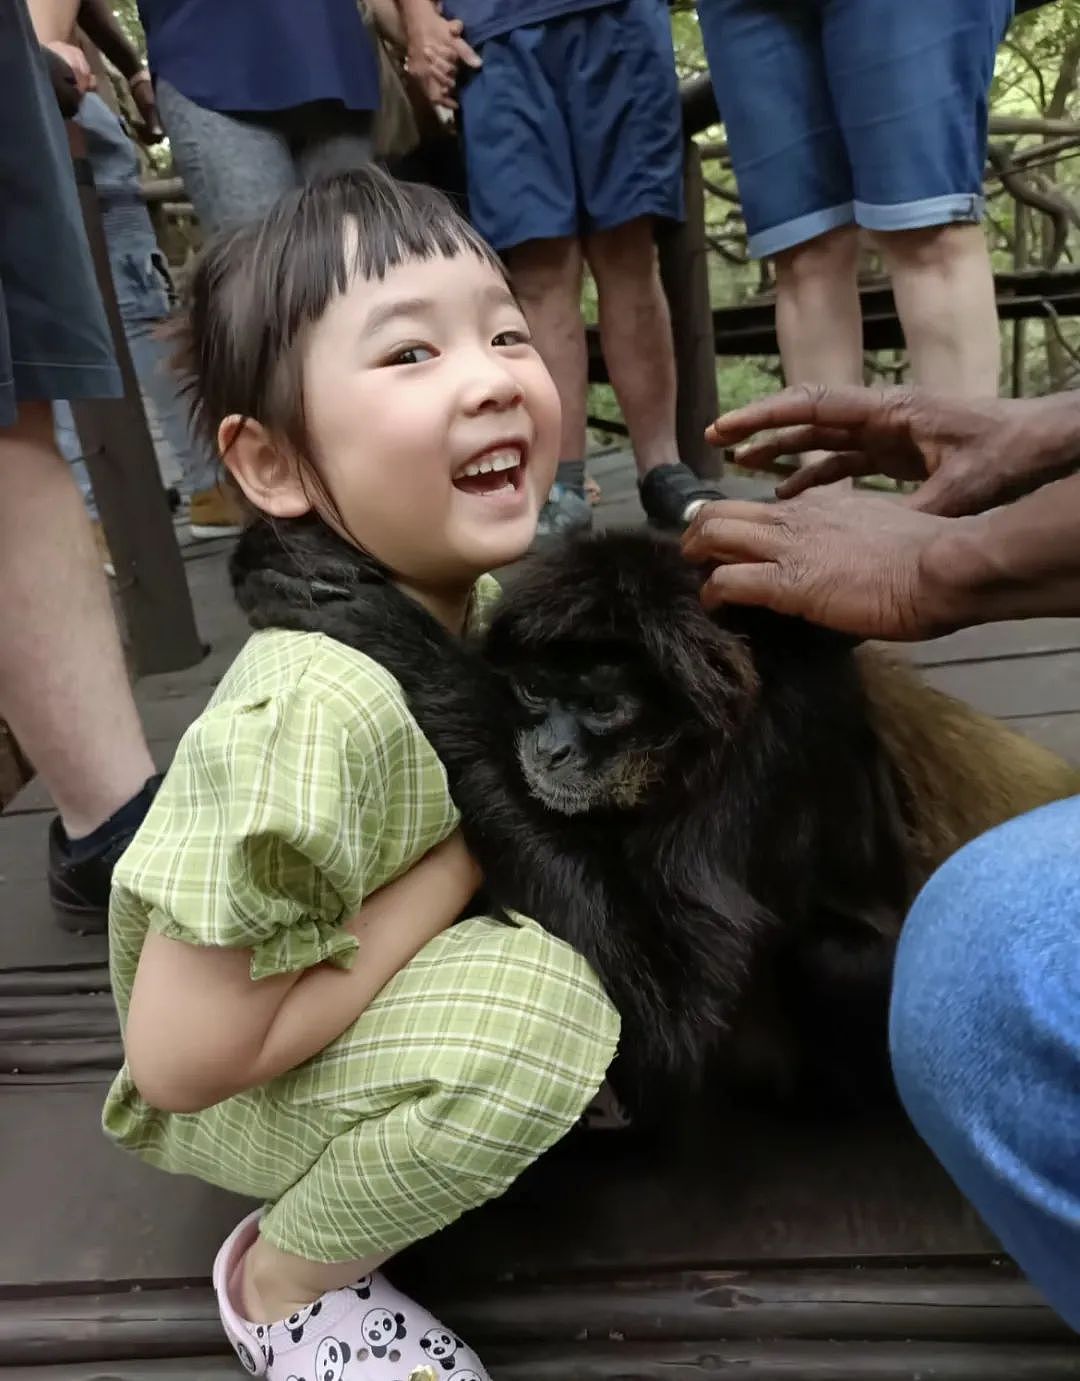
707	665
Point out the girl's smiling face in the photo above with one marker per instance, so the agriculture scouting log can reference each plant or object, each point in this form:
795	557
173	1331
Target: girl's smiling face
432	421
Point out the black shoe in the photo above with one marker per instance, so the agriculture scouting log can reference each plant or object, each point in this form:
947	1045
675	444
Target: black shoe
80	883
669	494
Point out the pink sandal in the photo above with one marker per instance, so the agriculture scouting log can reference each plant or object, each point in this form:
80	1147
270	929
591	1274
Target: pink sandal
366	1332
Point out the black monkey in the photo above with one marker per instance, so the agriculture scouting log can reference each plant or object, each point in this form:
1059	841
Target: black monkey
709	808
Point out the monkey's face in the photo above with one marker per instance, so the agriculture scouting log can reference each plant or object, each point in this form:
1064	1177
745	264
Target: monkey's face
591	735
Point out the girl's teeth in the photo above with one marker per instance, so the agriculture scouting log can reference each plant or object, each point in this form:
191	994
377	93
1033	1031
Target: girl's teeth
497	460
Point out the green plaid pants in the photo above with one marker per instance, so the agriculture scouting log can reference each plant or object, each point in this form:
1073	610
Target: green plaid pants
471	1062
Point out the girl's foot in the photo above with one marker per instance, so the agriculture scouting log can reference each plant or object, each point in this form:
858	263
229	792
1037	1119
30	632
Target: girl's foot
367	1332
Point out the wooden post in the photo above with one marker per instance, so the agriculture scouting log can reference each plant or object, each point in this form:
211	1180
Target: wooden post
684	269
1020	256
119	453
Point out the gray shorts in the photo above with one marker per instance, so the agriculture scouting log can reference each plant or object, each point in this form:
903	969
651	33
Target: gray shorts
54	337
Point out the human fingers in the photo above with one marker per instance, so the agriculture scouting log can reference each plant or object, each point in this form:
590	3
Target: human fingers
727	537
792	441
806	405
441	62
760	583
467	54
842	465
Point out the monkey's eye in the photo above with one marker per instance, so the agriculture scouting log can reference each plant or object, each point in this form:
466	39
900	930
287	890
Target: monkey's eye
529	694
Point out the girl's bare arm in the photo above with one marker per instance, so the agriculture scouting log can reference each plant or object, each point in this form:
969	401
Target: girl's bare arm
199	1029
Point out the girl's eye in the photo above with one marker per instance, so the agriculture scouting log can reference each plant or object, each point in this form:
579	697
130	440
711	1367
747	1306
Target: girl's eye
505	338
412	354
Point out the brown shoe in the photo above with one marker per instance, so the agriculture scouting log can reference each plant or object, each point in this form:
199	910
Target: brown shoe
215	512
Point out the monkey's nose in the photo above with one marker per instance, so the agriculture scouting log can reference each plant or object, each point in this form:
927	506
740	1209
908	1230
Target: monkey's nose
560	756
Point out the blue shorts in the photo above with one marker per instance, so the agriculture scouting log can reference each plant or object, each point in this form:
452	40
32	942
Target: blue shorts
574	125
54	338
871	112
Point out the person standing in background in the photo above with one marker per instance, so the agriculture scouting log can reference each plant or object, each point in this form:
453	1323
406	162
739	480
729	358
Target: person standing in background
572	129
258	98
865	113
63	684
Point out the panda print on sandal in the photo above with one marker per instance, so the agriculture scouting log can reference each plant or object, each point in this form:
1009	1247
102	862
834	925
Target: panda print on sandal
367	1332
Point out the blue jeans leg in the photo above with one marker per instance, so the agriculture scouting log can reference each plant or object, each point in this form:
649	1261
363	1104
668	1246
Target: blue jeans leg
167	418
159	385
985	1037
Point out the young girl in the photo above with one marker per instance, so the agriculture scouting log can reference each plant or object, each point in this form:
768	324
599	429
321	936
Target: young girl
302	1022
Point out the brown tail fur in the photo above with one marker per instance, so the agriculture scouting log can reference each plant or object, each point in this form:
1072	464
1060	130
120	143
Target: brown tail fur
964	772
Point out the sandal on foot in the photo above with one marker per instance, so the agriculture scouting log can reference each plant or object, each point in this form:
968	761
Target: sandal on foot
565	514
672	494
366	1332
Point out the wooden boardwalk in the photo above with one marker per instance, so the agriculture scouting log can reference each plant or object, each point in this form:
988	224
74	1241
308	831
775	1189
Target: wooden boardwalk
770	1250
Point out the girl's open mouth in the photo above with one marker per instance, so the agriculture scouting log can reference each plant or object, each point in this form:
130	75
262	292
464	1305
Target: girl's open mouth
493	472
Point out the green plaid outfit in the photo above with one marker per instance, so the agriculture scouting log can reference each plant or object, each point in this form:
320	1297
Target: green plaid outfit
305	786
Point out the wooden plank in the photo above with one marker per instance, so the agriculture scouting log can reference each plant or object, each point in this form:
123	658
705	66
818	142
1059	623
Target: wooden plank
731	1197
619	1362
727	1194
768	1361
1033	686
29	935
1021	638
77	1210
222	1368
846	1304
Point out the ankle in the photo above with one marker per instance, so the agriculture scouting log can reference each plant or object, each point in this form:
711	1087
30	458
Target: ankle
266	1290
123	822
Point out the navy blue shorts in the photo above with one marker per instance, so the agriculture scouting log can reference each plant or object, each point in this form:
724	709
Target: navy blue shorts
871	112
574	125
54	338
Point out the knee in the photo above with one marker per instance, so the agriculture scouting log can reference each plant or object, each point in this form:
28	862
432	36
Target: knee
624	255
546	271
819	262
528	1058
986	953
932	249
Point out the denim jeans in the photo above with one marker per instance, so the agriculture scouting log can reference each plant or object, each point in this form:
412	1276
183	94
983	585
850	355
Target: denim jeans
985	1034
143	297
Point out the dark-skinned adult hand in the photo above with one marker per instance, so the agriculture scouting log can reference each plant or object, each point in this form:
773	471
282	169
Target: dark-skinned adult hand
969	455
860	564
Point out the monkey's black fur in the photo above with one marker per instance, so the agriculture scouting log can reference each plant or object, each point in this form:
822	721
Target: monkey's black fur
742	914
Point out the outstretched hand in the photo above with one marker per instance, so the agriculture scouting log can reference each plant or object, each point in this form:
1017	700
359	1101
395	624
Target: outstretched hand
851	562
968	455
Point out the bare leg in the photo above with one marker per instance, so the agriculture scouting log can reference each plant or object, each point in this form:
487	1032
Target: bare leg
818	316
944	289
635	331
275	1284
547	278
63	684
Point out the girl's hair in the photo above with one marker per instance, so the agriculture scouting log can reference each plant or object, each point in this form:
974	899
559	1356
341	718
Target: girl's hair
256	289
